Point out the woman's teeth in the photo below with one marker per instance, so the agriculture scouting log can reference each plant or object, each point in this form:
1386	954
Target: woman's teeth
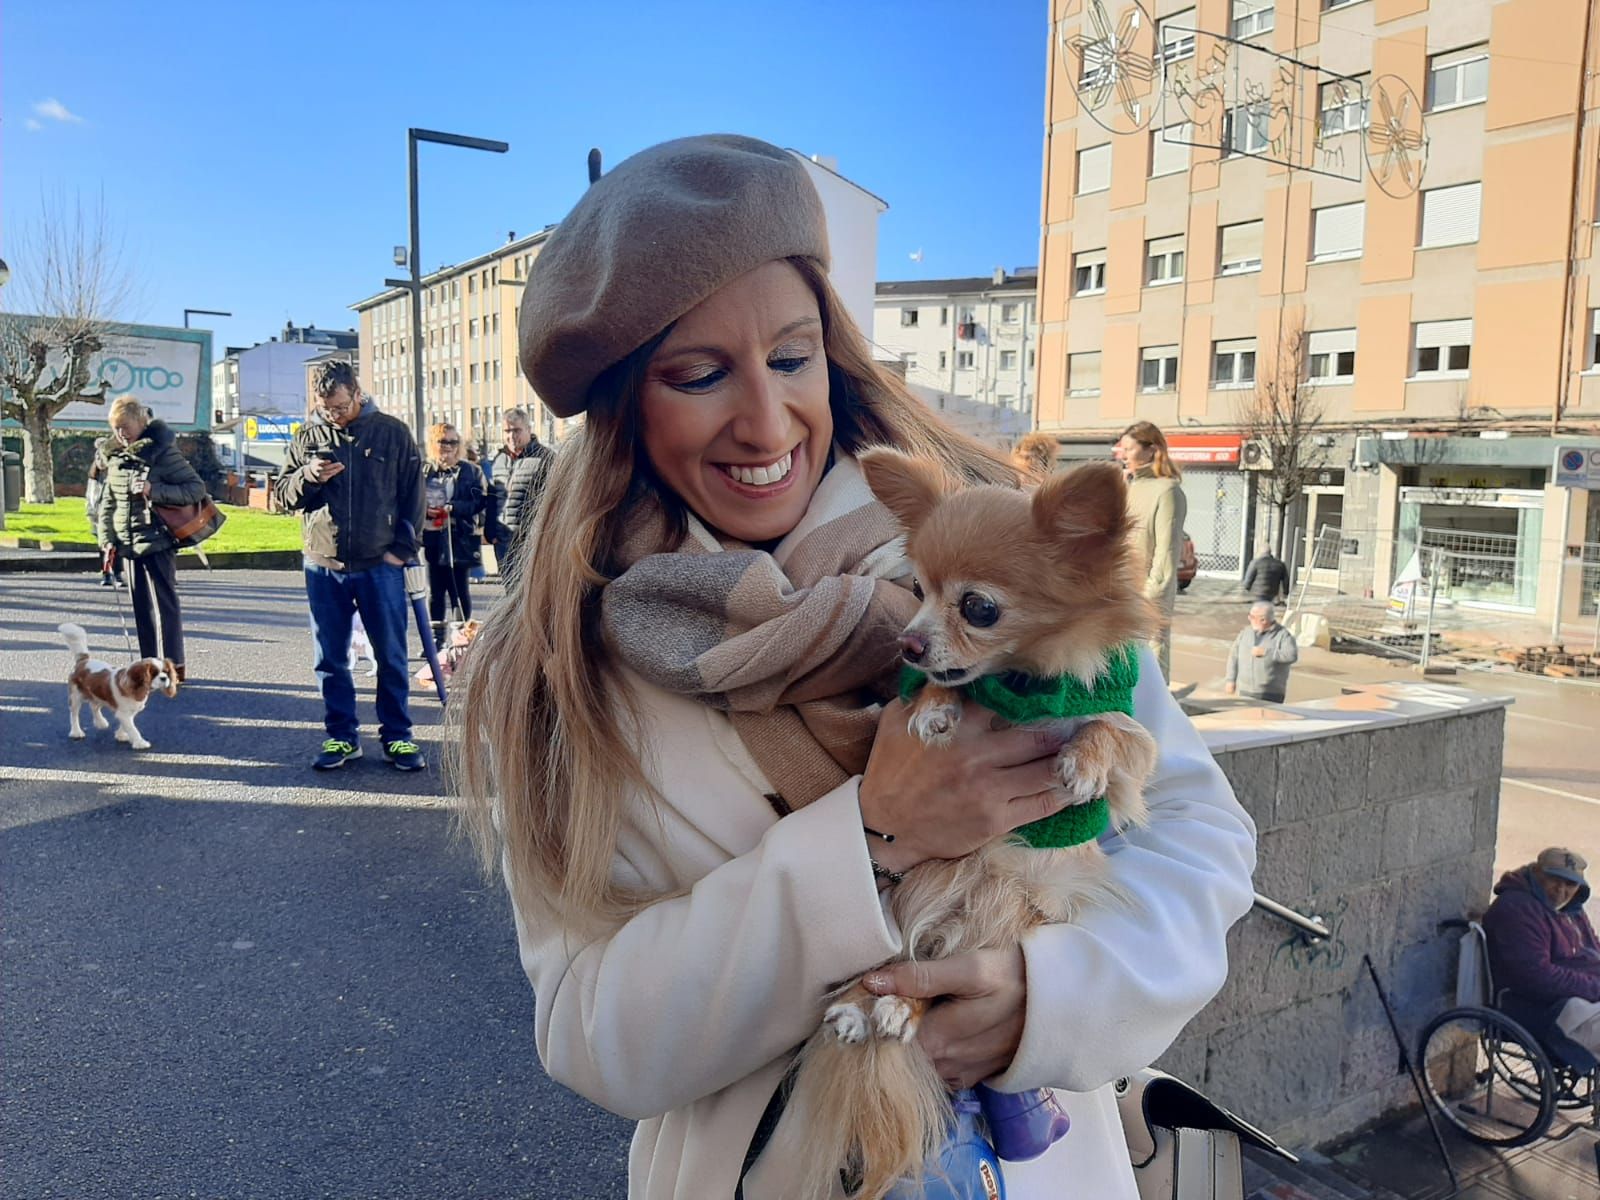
761	476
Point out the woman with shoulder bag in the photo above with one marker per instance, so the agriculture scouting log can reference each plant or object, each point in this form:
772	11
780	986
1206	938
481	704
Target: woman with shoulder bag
455	491
144	469
683	730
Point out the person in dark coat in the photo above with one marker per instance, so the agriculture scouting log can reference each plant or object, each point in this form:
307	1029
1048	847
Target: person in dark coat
94	485
354	475
1266	578
144	469
454	490
1542	947
516	476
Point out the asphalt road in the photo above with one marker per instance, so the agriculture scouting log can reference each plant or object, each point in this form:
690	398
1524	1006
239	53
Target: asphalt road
226	976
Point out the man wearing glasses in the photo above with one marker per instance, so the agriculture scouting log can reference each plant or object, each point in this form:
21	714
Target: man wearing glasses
355	477
516	474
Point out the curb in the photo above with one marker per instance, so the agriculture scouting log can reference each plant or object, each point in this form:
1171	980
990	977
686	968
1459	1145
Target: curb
39	560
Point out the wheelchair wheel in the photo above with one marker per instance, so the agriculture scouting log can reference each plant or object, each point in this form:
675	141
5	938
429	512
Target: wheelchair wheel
1487	1076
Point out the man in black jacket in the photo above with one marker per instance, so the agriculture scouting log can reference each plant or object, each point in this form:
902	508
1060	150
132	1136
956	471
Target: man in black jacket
355	477
1266	578
516	478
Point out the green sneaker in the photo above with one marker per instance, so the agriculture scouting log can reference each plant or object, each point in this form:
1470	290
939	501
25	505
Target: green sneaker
335	753
403	755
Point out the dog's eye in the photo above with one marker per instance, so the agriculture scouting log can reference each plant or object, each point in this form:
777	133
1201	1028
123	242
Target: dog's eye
916	590
979	610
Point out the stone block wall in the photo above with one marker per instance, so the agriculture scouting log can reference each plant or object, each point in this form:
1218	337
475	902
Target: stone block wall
1377	813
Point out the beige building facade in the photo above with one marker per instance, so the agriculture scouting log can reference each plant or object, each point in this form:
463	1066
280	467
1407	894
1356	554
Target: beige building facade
1249	230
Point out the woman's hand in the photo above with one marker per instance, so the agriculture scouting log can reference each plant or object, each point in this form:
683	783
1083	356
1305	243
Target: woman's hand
947	801
972	1034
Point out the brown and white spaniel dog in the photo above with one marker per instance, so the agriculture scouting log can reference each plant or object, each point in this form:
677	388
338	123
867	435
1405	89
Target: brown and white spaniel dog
101	686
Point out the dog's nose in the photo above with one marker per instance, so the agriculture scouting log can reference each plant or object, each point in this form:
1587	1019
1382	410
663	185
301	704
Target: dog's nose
913	647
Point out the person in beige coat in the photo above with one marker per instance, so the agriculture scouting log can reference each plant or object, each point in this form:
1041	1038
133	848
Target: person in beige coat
1159	509
676	740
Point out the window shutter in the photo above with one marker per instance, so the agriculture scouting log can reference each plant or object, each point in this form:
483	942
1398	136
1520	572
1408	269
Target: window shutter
1444	333
1236	346
1338	230
1331	341
1170	152
1241	243
1166	245
1083	372
1088	258
1094	169
1450	215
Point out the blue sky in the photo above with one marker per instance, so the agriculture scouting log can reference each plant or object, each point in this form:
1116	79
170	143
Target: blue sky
253	155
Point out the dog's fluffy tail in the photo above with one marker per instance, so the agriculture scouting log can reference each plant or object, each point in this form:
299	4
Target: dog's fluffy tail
877	1108
77	640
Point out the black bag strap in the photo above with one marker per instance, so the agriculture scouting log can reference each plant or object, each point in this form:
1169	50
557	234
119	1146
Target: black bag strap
767	1125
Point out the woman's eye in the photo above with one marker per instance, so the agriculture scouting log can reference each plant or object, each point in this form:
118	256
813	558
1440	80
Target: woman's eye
700	383
979	610
788	365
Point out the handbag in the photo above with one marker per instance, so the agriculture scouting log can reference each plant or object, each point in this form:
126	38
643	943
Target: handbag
1183	1146
191	524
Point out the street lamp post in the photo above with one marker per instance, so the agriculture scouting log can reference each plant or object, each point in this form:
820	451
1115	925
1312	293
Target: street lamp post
202	312
5	278
414	284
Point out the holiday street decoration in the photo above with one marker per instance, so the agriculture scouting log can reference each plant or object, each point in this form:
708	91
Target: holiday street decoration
1117	59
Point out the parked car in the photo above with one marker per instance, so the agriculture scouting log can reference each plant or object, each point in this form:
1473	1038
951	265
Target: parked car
1188	564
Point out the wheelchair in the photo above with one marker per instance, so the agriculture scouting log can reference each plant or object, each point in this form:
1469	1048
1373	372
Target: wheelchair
1499	1069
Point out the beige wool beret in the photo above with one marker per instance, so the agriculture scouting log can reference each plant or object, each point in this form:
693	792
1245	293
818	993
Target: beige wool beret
649	240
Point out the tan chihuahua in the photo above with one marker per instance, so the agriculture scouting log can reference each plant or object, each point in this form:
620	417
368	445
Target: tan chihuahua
1017	585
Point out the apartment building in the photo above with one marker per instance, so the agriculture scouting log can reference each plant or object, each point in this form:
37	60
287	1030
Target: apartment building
1390	202
968	347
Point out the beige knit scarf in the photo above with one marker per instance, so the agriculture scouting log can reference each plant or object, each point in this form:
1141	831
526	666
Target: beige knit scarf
798	645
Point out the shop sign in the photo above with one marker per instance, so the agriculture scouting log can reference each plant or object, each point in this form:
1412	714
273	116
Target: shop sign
1200	449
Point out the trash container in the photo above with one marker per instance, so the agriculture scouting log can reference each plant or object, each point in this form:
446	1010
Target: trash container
13	469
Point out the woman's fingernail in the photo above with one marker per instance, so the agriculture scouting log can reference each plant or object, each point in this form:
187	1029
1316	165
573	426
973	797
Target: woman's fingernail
875	982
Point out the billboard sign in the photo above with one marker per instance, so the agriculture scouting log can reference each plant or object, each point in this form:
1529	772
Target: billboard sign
271	429
168	370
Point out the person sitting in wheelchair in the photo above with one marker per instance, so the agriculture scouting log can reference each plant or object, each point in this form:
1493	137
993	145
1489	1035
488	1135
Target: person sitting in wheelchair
1542	949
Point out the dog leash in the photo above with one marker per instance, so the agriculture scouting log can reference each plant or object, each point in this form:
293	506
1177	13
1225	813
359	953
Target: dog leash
124	569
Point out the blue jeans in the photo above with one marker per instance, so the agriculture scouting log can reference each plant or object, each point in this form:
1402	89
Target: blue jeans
379	595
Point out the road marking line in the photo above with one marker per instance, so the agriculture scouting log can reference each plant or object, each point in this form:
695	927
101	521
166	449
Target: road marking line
1539	787
1511	712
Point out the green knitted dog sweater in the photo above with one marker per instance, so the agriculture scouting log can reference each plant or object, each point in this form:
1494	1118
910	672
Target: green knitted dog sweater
1022	699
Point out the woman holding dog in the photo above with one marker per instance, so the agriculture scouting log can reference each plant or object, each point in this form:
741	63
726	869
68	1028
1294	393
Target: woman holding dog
681	736
144	469
454	490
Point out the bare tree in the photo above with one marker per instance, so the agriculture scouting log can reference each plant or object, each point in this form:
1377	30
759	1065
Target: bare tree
69	281
1282	415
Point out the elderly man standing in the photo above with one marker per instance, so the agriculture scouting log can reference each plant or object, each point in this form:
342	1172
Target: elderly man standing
516	474
1542	947
1259	662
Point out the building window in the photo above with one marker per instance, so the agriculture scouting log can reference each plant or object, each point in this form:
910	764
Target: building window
472	327
1089	273
1458	78
1008	360
963	360
1169	149
908	318
1158	368
1331	356
944	360
1008	314
1441	349
497	370
1247	129
1176	34
472	284
1083	374
1163	260
1239	250
1251	17
911	363
1450	215
1233	363
944	315
1336	231
1343	105
1030	360
472	371
1330	5
1094	169
495	317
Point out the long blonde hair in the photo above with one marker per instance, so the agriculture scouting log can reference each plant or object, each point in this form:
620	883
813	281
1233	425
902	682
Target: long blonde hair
1149	435
547	732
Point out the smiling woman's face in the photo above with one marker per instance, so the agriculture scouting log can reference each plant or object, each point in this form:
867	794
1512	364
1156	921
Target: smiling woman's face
735	405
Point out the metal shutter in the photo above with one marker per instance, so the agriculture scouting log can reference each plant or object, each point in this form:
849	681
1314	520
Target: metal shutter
1083	372
1338	230
1169	152
1241	243
1094	169
1450	215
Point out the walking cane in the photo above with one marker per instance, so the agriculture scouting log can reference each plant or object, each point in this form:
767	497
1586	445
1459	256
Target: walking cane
125	570
450	560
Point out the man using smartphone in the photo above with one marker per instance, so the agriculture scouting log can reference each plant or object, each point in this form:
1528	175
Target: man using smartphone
355	477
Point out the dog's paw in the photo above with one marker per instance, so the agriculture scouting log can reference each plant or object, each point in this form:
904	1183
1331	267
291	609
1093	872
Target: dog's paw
121	735
935	725
77	735
1085	776
848	1022
894	1018
100	722
140	745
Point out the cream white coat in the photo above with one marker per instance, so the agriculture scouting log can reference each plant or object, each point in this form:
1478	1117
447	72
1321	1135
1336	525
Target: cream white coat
684	1017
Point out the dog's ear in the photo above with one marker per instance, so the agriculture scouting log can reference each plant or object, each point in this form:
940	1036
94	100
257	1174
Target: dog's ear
139	676
908	487
1088	501
171	689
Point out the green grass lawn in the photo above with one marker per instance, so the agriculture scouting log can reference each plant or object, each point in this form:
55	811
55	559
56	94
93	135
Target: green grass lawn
246	528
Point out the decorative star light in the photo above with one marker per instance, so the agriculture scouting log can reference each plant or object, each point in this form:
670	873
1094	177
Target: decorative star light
1108	62
1397	138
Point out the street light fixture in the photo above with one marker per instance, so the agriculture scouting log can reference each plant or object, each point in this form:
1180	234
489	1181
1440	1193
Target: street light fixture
414	253
202	312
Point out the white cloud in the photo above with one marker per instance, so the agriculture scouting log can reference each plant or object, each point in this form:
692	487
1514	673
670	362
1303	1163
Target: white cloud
31	125
57	111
